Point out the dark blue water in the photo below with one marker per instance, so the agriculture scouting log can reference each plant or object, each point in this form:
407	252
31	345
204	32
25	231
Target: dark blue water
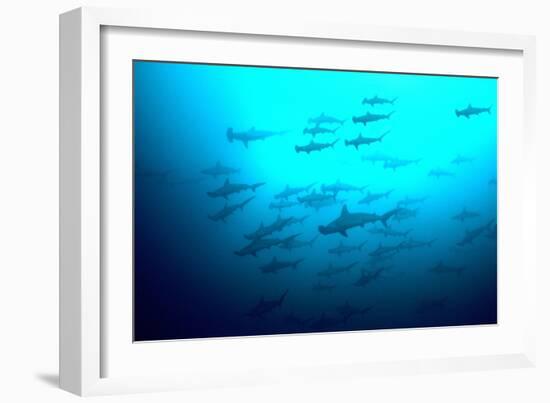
189	283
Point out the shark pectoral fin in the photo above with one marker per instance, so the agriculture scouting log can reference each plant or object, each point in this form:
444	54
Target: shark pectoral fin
343	232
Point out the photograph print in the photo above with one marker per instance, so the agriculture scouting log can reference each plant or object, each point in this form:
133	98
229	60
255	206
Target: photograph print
284	200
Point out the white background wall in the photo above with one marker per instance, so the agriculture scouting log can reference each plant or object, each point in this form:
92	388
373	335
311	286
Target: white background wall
29	201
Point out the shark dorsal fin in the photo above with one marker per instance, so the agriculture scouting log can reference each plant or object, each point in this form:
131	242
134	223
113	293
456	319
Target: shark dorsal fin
341	244
252	128
287	187
469	105
345	211
226	182
262	224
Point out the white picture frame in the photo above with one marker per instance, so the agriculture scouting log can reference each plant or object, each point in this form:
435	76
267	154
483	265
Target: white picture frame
83	307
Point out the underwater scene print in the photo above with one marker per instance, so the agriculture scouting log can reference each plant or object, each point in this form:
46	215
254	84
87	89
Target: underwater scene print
272	200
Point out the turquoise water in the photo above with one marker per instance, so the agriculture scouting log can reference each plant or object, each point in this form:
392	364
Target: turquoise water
189	282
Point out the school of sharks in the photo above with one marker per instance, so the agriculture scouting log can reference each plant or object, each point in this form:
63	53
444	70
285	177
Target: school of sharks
370	233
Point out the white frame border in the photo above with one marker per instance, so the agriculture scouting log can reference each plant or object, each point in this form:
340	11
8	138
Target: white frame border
80	307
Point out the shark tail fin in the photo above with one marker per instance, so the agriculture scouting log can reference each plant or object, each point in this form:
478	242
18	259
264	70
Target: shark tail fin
257	185
457	113
334	142
393	100
386	216
230	135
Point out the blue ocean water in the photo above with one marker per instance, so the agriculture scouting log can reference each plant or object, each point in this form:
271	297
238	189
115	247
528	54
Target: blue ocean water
190	283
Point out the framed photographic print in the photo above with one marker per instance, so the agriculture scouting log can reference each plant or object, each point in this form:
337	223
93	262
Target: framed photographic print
300	199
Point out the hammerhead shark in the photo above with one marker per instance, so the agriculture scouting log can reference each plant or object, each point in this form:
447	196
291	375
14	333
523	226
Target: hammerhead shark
276	265
368	277
465	215
279	205
360	140
251	135
315	130
471	111
399	163
313	146
219	170
389	232
341	248
382	250
265	230
339	186
371	197
229	209
376	157
315	197
260	244
348	220
323	118
471	235
438	173
291	191
376	100
405	213
265	306
297	243
371	117
230	188
319	204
